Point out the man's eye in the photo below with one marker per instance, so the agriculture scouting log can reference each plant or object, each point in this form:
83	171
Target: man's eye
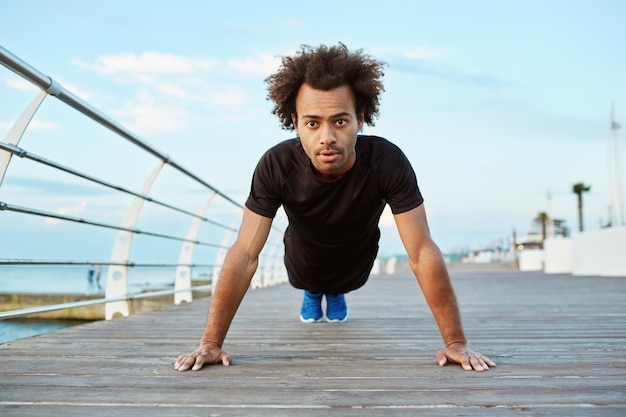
311	124
342	122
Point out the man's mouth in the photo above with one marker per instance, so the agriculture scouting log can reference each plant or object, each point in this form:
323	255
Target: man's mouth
329	155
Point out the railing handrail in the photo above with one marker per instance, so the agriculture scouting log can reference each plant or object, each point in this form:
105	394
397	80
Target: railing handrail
102	263
36	212
22	153
76	304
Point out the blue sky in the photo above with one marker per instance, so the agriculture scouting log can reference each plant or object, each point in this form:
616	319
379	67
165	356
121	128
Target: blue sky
497	104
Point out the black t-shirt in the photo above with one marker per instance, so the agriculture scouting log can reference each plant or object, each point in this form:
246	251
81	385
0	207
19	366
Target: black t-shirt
332	238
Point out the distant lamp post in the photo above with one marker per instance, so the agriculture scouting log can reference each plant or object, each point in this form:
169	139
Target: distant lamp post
579	189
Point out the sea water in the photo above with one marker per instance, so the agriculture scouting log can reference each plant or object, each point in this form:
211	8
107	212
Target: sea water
21	279
13	329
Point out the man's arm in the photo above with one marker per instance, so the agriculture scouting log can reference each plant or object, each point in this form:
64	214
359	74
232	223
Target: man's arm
430	270
239	266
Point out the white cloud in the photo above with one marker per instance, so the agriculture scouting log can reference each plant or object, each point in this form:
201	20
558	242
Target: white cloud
214	96
168	88
34	125
227	96
262	64
144	116
174	90
67	211
149	62
19	84
42	126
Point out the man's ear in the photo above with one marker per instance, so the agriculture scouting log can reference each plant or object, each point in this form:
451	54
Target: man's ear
294	120
361	121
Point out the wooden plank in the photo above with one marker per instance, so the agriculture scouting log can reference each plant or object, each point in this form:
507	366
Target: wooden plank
559	342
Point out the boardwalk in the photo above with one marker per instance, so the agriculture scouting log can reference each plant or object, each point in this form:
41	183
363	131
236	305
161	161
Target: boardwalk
559	341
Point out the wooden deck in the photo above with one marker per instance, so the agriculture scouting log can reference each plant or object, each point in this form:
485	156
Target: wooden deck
559	341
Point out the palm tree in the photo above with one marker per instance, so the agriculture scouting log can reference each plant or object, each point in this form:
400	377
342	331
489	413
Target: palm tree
542	219
579	189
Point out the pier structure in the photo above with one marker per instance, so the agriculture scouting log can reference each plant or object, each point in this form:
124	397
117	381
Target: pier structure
558	341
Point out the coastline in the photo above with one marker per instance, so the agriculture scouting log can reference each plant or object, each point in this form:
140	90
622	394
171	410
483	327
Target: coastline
26	286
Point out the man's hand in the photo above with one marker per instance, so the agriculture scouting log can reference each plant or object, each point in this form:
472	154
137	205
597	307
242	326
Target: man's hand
205	355
469	360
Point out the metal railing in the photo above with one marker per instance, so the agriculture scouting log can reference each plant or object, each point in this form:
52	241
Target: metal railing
117	297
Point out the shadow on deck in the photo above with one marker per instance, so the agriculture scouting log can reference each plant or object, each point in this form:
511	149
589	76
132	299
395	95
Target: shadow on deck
559	341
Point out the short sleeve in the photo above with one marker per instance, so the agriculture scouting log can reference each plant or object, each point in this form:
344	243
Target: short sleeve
265	197
399	183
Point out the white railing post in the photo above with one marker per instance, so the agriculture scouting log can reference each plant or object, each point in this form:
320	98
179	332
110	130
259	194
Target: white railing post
18	129
117	275
183	272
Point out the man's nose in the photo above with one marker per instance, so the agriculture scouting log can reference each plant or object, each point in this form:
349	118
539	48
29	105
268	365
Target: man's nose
327	135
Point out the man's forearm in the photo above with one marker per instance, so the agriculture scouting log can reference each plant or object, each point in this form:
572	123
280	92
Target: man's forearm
434	281
230	289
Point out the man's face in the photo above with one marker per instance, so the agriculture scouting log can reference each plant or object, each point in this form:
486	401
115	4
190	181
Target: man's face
328	125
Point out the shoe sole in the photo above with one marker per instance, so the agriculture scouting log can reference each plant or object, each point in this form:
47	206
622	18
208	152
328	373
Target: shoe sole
337	320
310	320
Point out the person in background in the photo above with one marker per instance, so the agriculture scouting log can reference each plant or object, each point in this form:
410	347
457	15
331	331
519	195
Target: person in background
90	278
333	184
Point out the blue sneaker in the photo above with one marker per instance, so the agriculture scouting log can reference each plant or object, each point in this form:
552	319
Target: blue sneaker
311	311
336	308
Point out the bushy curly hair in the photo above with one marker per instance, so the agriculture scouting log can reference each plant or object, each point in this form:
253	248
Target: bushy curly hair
326	68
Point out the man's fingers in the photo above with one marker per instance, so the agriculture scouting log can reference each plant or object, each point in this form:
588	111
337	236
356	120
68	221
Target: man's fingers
482	363
178	361
486	362
489	361
442	359
226	359
198	363
183	363
465	363
476	364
